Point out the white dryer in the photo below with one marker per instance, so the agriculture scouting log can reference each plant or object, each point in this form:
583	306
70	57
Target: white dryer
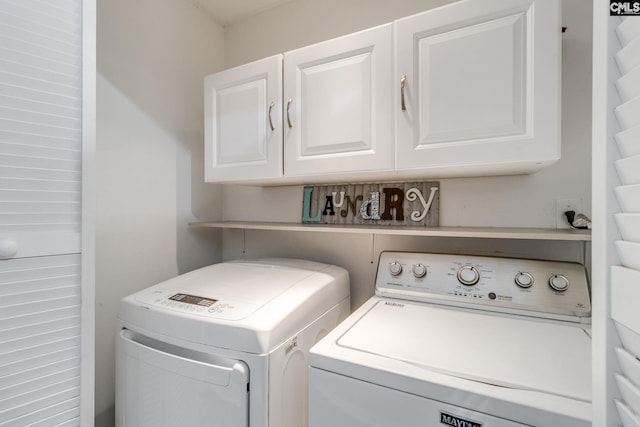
226	345
465	341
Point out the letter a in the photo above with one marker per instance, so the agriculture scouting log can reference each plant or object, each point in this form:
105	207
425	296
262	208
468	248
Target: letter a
328	206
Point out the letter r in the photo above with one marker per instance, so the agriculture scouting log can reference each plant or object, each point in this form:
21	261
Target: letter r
390	203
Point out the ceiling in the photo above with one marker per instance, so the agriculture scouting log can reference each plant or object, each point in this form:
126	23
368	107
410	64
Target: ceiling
228	11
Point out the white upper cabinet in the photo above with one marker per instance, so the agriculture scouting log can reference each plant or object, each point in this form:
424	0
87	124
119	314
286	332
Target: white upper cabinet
478	88
243	123
338	116
472	88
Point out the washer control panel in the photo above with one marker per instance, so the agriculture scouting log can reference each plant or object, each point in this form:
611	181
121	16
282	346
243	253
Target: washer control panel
542	288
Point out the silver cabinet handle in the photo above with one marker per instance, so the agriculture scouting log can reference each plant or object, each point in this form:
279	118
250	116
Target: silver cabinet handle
403	82
270	121
288	116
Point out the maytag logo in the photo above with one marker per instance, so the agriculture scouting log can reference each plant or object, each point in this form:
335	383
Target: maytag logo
393	304
624	8
450	420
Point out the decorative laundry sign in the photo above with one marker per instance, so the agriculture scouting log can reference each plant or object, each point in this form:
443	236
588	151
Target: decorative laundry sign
413	203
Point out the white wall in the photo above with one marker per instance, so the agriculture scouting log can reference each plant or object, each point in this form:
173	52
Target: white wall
152	57
303	22
512	201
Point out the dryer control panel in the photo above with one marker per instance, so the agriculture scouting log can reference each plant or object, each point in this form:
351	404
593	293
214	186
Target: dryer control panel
185	302
555	290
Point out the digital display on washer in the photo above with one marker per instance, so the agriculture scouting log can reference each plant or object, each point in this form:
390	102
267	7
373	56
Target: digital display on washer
192	299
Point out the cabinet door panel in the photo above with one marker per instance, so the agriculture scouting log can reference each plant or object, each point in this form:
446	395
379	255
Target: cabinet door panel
336	120
471	82
240	144
482	87
241	123
340	112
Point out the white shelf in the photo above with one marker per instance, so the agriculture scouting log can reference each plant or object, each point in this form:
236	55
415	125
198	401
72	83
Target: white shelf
469	232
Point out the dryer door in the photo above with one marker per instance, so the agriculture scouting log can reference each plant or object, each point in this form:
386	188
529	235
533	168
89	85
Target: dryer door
161	385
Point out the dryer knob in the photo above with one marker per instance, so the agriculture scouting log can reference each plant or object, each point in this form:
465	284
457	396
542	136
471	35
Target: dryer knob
395	268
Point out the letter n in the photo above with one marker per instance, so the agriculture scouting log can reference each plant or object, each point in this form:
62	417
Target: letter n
351	205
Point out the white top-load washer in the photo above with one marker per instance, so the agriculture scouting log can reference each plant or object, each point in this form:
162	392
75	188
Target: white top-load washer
226	345
456	340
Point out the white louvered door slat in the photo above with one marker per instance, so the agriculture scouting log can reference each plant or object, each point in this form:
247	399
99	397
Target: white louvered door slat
628	86
629	56
15	149
628	113
41	150
627	31
23	386
13	335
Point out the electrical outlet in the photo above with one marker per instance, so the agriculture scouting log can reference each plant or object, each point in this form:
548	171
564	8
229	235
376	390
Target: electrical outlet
563	205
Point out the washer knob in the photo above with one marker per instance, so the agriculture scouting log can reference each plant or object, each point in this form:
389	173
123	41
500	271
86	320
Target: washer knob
559	283
468	275
395	268
419	271
524	280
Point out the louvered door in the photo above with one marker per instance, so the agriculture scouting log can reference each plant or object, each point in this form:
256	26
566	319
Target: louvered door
616	188
625	276
41	141
40	126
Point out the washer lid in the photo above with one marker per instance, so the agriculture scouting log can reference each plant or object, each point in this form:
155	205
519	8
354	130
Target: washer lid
506	351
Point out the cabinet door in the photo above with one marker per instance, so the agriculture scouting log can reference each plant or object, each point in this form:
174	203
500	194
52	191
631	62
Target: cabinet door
243	122
337	101
481	89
